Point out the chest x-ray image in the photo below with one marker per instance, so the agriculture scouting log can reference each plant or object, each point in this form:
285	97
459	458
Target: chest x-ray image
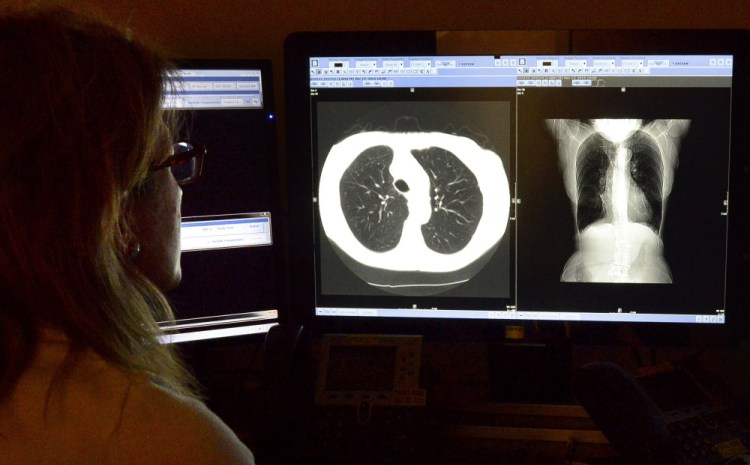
412	211
618	174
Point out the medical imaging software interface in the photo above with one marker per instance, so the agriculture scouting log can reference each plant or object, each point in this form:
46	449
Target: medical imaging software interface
228	259
590	188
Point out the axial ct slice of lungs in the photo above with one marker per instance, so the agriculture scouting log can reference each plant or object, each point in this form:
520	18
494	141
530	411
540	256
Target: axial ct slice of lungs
413	213
618	175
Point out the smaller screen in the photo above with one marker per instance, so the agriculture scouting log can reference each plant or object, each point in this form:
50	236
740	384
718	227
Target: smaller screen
230	261
212	89
226	231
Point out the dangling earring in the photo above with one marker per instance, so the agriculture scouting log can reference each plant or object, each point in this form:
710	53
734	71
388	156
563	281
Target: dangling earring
134	250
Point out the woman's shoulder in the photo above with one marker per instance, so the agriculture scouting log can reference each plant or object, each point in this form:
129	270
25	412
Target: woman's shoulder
158	423
101	414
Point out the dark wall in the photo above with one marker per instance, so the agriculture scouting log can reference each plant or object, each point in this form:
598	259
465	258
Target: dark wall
256	29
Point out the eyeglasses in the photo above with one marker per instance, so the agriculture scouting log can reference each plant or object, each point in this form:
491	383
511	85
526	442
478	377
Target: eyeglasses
186	162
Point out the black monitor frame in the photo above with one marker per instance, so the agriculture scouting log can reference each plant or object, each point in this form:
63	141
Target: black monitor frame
300	47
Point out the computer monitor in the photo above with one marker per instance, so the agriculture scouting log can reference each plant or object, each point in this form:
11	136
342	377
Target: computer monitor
583	179
231	252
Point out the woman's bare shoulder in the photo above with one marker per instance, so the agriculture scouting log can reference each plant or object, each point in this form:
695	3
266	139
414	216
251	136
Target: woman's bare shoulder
177	428
101	414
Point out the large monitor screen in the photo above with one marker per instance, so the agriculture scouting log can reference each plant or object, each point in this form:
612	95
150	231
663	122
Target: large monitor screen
520	186
230	249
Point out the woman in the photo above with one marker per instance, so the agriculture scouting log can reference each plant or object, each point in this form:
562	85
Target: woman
89	240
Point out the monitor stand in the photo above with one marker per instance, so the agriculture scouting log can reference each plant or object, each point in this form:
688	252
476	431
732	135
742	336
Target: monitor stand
530	366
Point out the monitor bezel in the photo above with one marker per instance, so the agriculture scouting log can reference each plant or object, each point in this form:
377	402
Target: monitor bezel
301	46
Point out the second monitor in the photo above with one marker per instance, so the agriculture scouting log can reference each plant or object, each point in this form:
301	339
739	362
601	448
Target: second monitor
232	257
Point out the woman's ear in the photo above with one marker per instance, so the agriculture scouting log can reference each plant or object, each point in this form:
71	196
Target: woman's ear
153	221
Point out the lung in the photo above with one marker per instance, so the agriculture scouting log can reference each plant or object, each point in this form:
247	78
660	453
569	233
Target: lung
646	169
374	207
592	164
455	201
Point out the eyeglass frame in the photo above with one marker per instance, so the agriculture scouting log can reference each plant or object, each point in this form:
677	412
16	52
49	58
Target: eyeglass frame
196	151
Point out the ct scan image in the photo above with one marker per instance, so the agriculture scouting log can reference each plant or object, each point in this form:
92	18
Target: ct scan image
414	197
618	175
